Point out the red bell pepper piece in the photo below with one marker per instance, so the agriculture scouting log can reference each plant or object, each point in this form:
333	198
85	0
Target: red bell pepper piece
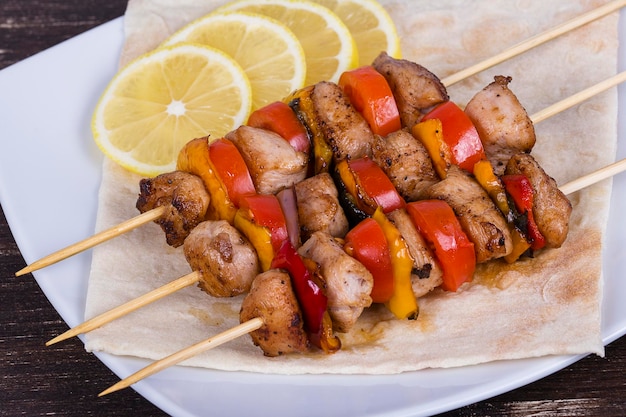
377	184
366	242
231	170
370	94
437	223
281	119
310	296
460	135
265	210
518	187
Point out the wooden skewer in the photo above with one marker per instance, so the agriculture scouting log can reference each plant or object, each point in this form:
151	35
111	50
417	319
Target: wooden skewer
128	307
181	355
535	41
594	177
578	97
94	240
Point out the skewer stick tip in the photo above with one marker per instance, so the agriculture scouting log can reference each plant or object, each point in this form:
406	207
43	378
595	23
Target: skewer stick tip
128	307
61	337
23	271
112	389
94	240
175	358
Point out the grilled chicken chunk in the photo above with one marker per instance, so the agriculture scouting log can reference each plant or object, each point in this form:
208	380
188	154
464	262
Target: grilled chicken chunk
503	125
272	299
319	208
225	259
343	127
348	282
415	89
406	162
551	208
273	164
480	218
184	195
427	273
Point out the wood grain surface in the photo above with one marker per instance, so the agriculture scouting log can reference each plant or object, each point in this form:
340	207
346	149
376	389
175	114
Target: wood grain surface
63	380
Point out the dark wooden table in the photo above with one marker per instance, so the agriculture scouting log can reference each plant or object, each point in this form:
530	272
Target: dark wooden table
64	379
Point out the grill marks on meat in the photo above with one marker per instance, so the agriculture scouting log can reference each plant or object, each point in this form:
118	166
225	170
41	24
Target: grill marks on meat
503	125
225	259
415	89
343	127
348	282
480	218
319	208
551	208
272	299
406	162
184	195
427	273
273	164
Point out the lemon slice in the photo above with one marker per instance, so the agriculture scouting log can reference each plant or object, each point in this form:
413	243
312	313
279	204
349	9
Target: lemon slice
267	50
328	45
164	99
371	26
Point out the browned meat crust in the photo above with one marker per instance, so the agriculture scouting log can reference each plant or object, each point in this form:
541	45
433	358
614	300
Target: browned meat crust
503	125
348	282
184	195
345	130
480	218
225	259
273	163
406	162
272	299
415	89
319	208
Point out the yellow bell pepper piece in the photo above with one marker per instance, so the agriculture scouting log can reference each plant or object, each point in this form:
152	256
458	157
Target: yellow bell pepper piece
430	134
483	172
259	236
403	303
520	245
194	158
301	101
347	177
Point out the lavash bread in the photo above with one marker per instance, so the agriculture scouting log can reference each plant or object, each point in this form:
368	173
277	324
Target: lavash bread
548	305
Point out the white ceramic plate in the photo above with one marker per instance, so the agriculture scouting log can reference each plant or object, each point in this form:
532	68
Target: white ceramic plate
49	176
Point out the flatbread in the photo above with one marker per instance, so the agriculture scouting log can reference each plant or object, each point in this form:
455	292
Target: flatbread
549	305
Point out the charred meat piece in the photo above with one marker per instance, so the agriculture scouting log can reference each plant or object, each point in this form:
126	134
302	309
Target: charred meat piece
343	127
406	162
348	282
427	273
503	125
319	208
184	195
225	259
480	218
273	164
272	299
415	89
551	208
